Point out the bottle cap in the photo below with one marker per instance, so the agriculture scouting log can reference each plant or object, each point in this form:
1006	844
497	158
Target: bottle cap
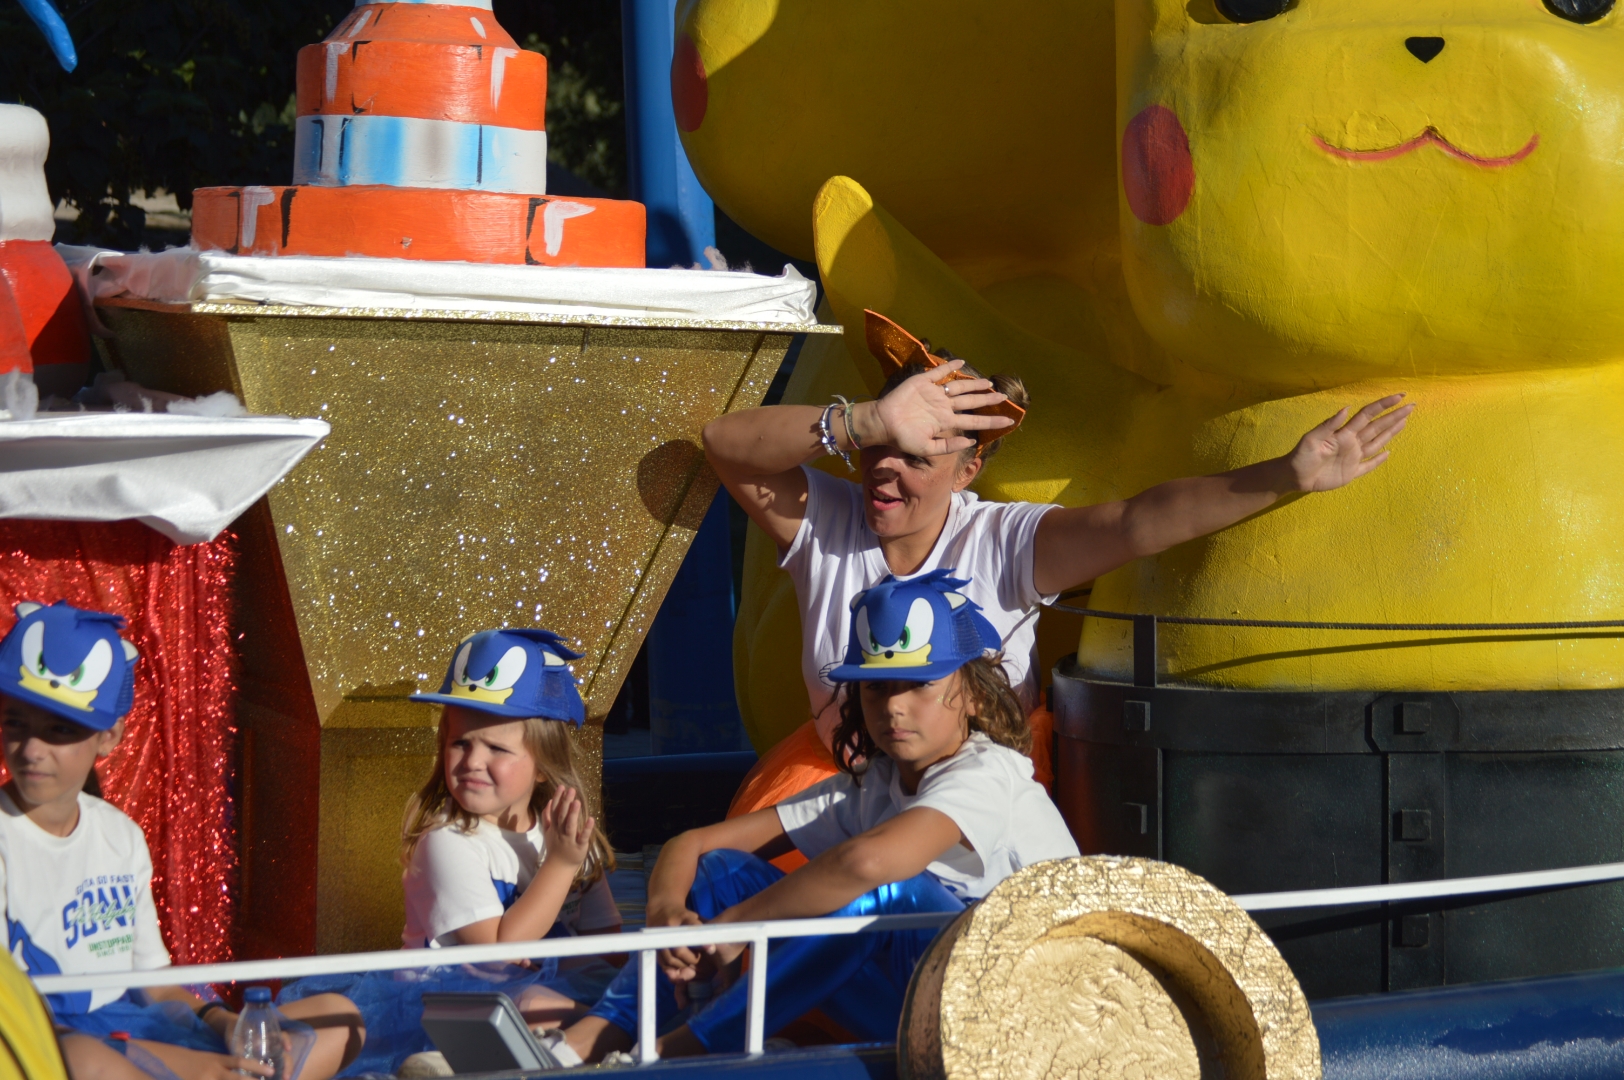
257	995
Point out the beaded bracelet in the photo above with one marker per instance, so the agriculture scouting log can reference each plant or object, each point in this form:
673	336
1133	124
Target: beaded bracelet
826	435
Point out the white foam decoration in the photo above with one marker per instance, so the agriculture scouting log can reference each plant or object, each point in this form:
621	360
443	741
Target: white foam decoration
186	275
25	204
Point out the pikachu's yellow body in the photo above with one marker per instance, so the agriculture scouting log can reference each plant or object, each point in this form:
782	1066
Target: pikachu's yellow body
1196	238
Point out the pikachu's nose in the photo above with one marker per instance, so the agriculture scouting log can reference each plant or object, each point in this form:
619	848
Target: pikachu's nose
1424	48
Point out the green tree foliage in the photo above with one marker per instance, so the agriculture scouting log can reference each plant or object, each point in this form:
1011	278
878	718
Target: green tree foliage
179	94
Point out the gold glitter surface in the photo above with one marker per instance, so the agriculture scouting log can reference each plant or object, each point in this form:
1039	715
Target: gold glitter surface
536	471
478	474
1105	967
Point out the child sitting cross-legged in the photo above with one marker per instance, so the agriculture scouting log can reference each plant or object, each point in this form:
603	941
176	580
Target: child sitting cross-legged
75	873
497	847
934	805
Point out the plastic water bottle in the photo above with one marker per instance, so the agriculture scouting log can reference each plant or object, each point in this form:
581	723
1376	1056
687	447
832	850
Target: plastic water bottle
258	1036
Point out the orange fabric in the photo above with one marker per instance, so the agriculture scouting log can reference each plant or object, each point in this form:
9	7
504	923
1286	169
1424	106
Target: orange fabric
795	764
1042	722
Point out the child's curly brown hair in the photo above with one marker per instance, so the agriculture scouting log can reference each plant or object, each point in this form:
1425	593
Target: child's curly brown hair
995	711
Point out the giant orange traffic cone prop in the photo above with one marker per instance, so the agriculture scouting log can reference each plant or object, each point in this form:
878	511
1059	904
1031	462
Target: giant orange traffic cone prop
421	135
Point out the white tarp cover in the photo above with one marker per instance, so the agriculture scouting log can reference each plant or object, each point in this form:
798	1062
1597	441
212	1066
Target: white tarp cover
186	476
186	275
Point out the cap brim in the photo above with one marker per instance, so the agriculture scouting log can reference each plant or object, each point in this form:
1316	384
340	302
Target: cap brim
926	673
95	720
512	712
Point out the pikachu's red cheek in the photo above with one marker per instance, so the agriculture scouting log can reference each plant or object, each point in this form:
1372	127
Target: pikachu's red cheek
1157	174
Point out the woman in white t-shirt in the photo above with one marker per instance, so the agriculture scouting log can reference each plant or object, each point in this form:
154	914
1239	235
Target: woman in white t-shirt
934	806
921	445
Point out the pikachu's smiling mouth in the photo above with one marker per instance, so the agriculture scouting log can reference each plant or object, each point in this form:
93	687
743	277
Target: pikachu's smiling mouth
1429	137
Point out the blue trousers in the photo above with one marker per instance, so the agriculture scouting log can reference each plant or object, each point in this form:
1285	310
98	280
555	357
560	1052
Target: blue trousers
857	979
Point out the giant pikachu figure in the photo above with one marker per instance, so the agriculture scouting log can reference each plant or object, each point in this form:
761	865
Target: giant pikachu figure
1197	228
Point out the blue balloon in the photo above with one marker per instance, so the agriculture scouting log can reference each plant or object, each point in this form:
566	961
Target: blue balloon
50	24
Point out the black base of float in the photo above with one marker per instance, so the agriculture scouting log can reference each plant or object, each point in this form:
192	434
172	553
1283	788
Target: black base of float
1264	791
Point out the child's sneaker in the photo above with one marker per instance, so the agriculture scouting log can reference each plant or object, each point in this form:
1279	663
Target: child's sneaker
429	1063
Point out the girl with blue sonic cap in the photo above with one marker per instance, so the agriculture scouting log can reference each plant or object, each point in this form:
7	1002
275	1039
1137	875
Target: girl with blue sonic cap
497	846
76	875
934	805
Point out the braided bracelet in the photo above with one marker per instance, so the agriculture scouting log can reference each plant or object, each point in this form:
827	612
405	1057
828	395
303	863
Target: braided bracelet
826	436
845	414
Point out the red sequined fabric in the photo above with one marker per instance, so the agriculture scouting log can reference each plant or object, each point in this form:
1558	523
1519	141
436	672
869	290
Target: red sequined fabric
175	771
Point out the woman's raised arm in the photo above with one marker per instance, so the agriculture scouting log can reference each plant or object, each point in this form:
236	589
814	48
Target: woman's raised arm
1080	543
757	453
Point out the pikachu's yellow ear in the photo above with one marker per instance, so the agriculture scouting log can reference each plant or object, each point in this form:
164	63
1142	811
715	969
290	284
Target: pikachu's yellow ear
868	260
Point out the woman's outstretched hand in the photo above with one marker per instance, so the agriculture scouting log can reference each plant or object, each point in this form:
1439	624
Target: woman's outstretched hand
1344	448
926	416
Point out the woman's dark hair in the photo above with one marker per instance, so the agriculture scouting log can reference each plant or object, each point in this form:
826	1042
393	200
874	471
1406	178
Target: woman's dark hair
92	783
1010	386
995	711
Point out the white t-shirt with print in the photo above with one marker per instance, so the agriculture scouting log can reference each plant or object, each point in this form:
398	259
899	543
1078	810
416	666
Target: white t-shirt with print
835	556
458	878
985	789
79	904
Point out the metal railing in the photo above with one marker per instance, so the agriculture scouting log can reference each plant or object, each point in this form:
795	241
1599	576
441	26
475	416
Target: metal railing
646	942
643	942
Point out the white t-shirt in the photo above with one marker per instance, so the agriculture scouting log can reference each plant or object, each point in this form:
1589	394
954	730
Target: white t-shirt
986	790
835	556
458	878
79	904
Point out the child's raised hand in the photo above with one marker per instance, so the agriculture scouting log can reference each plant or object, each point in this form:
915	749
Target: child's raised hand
1342	449
566	830
924	416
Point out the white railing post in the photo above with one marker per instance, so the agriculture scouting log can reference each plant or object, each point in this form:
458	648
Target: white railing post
755	1012
647	1015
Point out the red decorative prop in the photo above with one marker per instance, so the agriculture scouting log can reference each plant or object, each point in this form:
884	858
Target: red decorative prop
175	772
46	300
1157	173
690	87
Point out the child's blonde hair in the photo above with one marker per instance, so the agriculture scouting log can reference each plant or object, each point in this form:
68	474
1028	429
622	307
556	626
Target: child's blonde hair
994	710
548	744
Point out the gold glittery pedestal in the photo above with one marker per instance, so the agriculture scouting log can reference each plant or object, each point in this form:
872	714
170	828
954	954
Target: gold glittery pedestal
1103	968
483	469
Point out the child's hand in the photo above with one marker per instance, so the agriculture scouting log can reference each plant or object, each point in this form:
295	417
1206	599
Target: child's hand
680	964
1341	450
566	830
924	416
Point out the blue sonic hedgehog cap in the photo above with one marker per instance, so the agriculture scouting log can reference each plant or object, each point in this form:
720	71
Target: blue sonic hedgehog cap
914	630
517	673
71	662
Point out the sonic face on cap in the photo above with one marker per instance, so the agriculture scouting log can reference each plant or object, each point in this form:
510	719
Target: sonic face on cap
517	673
916	630
71	662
